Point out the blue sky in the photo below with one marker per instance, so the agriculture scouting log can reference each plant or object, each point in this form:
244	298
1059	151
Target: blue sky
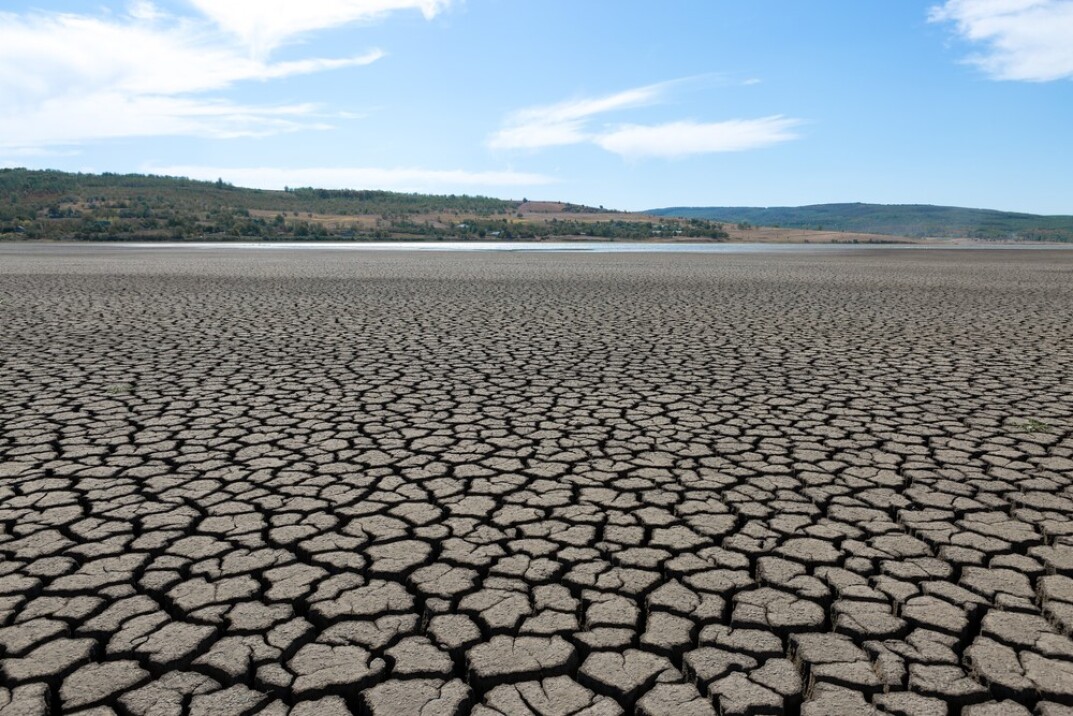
621	103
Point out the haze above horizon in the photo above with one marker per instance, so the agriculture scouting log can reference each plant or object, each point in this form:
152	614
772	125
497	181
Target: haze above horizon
627	105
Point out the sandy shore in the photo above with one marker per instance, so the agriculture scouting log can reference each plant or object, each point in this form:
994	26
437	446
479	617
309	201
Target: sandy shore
317	482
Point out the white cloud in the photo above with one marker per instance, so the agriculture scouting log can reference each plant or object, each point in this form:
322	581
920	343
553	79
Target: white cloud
571	122
539	134
679	139
1027	40
68	78
398	179
565	122
266	24
110	115
43	54
144	10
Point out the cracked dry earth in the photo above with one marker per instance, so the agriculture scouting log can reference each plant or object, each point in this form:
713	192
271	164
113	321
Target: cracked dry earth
319	483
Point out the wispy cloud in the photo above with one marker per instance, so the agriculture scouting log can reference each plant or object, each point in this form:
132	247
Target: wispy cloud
263	25
398	179
1027	40
67	78
566	122
72	120
572	122
679	139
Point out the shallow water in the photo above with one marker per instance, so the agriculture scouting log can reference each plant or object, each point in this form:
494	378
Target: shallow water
571	246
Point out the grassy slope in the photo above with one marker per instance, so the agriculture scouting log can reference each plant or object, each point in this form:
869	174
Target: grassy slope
109	207
897	219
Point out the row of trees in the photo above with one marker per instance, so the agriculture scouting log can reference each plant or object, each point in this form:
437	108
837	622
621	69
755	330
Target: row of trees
110	207
238	225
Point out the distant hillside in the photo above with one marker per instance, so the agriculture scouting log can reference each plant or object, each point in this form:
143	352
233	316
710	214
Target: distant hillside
112	207
916	220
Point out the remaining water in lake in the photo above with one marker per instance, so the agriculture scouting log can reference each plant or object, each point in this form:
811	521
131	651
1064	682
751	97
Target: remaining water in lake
572	246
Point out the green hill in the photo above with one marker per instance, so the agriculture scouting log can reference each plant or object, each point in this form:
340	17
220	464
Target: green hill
916	220
61	205
113	207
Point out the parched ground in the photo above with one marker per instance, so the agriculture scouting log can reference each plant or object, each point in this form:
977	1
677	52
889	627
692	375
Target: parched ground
321	483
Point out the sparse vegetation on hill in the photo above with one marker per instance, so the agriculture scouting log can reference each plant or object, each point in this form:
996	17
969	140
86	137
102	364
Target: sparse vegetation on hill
915	220
112	207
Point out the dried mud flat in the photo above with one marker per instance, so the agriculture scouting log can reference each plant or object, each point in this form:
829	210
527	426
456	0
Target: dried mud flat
324	483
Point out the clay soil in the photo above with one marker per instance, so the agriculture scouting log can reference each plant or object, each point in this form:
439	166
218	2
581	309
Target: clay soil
314	482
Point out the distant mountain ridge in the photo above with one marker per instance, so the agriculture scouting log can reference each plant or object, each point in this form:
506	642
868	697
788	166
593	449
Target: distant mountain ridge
916	220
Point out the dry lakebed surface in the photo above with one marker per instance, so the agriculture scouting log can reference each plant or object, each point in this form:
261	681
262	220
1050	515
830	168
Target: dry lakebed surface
313	482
